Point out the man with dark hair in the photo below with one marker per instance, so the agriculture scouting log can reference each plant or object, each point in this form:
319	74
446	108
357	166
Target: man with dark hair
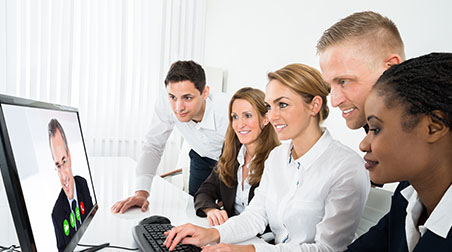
74	201
354	52
200	116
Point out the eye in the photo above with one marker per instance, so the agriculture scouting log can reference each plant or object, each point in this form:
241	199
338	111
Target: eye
375	130
268	107
234	117
343	83
283	105
188	98
248	115
172	97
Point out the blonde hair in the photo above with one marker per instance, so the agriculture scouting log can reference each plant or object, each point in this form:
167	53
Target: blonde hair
305	81
227	165
377	31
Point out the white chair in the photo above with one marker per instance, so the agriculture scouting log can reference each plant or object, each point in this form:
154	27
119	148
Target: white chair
377	205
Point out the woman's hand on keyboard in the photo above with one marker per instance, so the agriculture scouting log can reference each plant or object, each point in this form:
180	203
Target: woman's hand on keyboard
216	216
190	234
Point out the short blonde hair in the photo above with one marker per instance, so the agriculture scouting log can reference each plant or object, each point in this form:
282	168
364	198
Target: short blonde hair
378	31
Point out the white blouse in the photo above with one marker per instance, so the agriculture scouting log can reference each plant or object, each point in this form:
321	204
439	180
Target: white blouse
439	221
313	203
241	196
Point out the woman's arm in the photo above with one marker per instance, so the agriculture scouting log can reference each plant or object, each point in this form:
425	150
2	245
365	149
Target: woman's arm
207	194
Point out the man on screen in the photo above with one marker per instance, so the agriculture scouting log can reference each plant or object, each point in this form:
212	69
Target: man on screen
74	201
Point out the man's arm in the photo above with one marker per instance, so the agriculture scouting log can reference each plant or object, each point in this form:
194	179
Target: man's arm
162	125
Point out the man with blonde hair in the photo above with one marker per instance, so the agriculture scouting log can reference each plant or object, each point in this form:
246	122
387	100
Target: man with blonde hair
354	52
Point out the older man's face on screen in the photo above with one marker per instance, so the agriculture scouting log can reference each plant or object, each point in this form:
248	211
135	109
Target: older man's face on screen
63	164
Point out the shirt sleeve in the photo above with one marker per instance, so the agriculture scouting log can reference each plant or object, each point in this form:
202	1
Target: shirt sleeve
162	125
250	222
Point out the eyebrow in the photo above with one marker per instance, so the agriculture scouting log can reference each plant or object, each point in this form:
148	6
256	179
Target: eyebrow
280	98
373	117
342	77
184	95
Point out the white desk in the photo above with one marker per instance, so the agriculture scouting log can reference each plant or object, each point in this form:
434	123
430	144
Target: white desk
114	180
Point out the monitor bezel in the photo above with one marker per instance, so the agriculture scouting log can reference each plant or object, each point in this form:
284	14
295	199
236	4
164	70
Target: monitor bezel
11	178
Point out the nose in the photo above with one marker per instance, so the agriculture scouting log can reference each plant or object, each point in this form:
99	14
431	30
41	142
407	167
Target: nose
180	106
240	123
364	146
337	96
272	114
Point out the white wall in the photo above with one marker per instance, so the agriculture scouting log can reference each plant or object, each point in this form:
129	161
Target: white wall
250	38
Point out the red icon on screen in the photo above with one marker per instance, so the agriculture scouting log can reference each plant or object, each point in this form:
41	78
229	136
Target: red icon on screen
82	207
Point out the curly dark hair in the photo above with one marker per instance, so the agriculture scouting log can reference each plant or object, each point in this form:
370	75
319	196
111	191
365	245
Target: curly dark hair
423	85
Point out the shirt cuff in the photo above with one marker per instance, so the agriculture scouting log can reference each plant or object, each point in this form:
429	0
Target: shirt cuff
144	182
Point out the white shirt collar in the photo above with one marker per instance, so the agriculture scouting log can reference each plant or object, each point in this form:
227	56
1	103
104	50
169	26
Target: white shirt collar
208	119
241	155
75	196
440	220
315	152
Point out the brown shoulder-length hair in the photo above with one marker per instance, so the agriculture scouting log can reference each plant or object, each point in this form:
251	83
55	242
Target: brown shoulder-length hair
268	139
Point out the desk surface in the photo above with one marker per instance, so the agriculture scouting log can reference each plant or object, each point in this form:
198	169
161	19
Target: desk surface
114	179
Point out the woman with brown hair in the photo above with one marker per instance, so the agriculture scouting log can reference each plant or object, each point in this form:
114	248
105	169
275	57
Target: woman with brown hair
249	140
313	189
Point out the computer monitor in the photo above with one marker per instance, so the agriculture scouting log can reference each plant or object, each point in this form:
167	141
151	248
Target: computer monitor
46	173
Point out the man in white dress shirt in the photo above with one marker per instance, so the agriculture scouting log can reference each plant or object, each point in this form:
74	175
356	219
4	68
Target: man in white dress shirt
354	52
200	116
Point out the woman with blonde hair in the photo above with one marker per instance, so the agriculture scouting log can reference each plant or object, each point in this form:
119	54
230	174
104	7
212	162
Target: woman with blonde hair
313	189
249	140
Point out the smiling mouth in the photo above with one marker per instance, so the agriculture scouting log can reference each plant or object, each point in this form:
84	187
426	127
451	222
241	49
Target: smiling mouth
348	110
244	132
370	163
281	126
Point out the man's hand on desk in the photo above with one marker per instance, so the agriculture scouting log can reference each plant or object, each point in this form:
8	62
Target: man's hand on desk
190	234
140	199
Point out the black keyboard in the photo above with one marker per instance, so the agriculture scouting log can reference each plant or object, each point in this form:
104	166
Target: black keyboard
150	237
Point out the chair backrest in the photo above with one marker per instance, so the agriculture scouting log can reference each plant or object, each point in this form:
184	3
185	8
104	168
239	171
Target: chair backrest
378	204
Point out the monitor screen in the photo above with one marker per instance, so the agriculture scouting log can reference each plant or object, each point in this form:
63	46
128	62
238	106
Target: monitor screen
46	173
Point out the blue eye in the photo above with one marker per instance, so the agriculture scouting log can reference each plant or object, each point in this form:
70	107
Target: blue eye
283	105
248	115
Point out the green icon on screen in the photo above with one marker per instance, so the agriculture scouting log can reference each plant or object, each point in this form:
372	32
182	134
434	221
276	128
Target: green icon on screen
66	227
72	218
77	213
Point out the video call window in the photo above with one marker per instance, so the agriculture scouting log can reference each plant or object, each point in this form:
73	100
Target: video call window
52	167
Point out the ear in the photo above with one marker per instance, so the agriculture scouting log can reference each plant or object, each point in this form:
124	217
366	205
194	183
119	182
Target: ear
392	59
265	120
316	105
205	92
436	129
